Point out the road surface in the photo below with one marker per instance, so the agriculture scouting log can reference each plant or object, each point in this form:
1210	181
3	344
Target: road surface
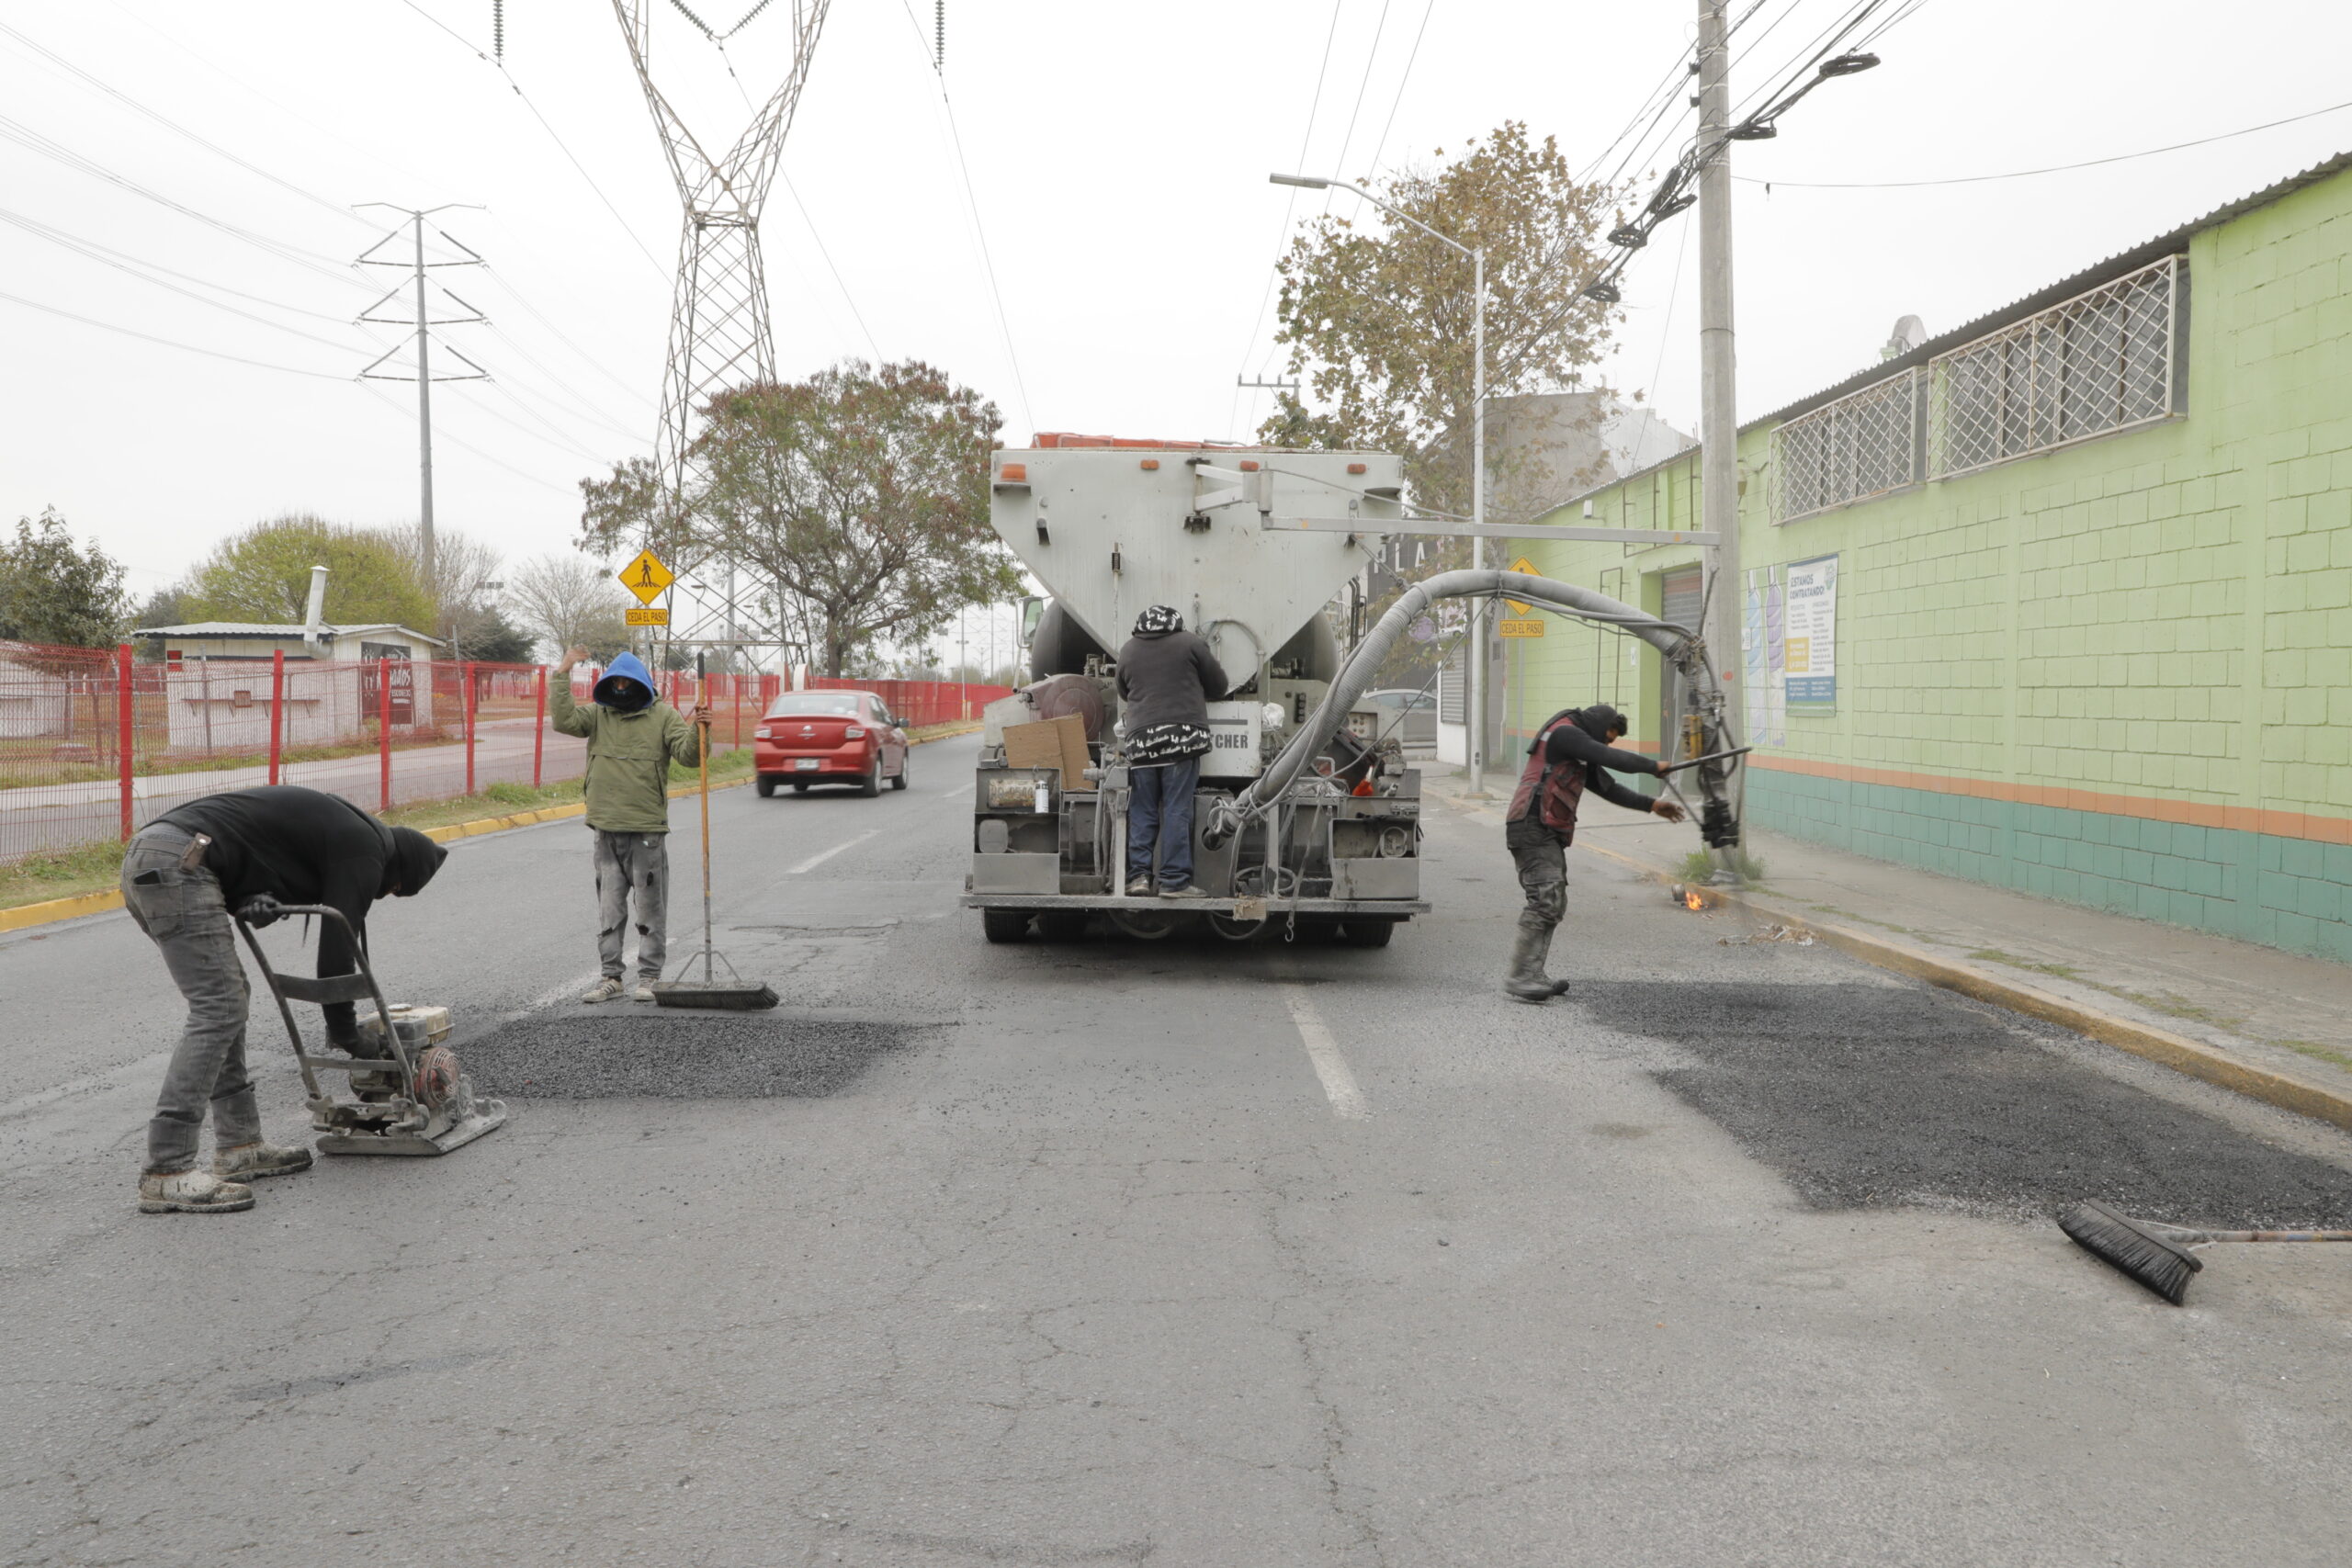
1175	1253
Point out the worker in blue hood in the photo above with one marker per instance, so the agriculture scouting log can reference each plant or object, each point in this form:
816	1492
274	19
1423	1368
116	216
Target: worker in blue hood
633	736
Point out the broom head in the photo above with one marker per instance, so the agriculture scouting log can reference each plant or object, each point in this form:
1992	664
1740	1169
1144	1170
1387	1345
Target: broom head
2163	1266
737	997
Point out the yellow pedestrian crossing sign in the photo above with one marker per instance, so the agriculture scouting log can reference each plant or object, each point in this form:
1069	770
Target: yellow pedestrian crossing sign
646	577
1520	606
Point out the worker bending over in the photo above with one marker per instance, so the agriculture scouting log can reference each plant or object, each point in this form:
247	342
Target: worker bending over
249	851
1571	754
632	740
1167	679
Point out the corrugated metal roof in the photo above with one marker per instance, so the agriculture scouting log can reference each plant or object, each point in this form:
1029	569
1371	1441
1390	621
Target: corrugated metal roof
264	629
2066	289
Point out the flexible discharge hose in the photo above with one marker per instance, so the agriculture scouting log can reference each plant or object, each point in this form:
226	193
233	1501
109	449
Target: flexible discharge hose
1681	647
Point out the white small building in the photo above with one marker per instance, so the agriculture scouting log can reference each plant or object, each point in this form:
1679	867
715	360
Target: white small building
218	682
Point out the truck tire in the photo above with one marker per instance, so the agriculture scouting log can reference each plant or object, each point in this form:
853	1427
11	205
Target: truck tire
1004	925
1062	925
1367	933
800	786
765	784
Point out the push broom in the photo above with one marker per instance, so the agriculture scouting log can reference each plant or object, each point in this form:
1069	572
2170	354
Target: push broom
736	995
2160	1255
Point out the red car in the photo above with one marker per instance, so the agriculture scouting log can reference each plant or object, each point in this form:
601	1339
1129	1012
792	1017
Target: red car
809	738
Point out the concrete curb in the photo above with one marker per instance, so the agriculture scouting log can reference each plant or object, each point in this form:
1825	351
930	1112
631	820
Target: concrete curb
25	917
2322	1101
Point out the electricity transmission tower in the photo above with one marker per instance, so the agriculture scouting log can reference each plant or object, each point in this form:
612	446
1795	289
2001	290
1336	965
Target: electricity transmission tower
423	323
719	334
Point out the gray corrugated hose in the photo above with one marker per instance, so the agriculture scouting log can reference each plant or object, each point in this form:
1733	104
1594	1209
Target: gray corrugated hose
1681	647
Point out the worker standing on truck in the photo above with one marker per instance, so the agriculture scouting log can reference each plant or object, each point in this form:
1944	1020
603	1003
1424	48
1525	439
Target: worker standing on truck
1571	755
249	851
1167	679
632	739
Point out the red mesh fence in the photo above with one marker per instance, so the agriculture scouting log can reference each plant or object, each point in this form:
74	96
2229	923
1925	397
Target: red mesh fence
920	703
93	744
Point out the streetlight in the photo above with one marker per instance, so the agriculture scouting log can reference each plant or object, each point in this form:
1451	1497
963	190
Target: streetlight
1477	747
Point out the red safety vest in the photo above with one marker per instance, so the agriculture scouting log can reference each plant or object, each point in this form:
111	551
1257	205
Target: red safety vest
1562	787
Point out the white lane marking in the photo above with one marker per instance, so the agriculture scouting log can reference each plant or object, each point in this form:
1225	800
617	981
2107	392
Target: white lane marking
113	1077
570	991
1338	1084
823	856
960	789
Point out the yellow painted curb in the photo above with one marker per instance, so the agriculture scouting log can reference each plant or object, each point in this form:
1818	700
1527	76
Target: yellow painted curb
24	917
2182	1054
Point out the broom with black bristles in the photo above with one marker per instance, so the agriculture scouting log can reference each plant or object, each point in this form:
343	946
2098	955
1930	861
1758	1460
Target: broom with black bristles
2159	1255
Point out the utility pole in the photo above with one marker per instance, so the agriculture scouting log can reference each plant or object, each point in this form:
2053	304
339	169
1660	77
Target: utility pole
423	322
1718	379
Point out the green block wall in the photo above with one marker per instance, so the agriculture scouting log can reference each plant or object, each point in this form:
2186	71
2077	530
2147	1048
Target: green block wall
2162	616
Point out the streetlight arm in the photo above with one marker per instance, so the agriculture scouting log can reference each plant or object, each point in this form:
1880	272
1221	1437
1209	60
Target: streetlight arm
1311	182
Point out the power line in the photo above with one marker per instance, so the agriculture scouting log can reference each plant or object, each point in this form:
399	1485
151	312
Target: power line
142	265
558	334
838	282
2052	169
58	238
1395	103
409	415
1371	58
1290	204
979	229
168	342
173	126
48	147
500	66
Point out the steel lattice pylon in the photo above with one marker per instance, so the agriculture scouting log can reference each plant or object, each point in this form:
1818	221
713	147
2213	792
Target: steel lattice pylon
719	321
719	333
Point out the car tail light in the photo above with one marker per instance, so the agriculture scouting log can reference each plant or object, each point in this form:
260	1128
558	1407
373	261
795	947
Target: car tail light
853	733
761	733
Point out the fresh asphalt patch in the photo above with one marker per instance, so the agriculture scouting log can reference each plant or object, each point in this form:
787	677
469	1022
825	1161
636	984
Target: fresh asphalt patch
1876	1097
671	1054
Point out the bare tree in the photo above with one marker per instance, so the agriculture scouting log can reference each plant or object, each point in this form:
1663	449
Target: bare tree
568	601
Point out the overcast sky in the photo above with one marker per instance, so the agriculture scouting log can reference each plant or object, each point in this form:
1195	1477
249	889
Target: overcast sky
1117	154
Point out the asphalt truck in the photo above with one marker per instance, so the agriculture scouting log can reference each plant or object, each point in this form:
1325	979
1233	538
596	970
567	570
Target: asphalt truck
1297	821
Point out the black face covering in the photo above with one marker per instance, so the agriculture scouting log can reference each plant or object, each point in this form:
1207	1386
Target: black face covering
414	859
1601	718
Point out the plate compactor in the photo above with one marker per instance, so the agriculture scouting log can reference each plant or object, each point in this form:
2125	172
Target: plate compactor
412	1100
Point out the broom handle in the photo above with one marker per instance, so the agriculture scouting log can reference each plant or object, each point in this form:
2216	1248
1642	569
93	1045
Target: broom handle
2278	1235
702	763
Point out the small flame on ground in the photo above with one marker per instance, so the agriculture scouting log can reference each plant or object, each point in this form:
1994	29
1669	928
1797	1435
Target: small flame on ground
1692	901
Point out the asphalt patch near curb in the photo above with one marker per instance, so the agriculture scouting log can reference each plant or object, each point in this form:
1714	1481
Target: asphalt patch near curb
667	1055
1878	1097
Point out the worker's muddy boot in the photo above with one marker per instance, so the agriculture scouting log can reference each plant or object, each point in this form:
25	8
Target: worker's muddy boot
191	1192
1526	982
246	1162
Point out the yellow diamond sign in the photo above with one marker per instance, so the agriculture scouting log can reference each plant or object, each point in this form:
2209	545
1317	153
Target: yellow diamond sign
1520	606
646	577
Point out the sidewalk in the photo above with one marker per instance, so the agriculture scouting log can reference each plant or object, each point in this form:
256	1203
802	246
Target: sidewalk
2276	1015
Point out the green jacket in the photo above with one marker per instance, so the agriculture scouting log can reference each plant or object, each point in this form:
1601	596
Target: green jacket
628	759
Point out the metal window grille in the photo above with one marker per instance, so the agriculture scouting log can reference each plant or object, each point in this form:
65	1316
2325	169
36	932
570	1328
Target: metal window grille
1865	443
2103	361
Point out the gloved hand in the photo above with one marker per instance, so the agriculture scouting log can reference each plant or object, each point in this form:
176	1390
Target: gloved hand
262	910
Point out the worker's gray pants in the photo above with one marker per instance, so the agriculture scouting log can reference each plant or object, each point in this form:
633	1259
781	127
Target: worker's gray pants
1542	856
183	913
633	867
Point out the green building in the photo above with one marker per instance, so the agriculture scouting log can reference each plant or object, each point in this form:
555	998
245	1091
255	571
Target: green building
2059	600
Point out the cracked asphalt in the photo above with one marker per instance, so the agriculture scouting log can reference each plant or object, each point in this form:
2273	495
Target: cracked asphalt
1067	1255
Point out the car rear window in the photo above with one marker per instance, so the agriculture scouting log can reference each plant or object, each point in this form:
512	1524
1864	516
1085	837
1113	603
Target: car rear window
820	705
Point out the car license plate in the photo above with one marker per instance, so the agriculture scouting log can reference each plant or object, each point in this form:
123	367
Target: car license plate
806	764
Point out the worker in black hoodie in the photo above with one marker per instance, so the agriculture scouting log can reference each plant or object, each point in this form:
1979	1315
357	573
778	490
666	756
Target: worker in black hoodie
1168	677
250	851
1570	757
